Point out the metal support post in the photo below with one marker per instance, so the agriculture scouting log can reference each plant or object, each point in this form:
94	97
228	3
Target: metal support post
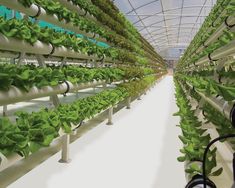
110	116
4	110
55	100
65	149
128	106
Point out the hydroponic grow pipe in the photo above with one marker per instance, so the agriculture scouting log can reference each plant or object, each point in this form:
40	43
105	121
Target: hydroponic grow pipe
221	52
16	95
41	14
12	44
216	103
228	23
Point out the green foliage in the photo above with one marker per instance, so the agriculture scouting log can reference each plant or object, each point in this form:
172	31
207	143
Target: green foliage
38	129
194	138
210	87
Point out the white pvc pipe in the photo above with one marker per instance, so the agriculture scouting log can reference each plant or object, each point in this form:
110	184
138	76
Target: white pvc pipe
218	104
16	45
16	95
12	44
9	55
65	52
224	51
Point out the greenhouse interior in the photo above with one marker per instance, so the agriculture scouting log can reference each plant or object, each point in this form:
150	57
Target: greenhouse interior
117	93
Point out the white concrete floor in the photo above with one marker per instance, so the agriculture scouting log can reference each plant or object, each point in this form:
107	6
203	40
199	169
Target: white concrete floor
138	151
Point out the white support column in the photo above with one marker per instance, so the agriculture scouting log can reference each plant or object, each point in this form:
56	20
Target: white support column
55	100
4	110
21	59
128	106
65	149
41	61
110	116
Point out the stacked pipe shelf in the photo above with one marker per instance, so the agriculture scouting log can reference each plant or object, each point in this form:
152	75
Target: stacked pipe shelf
40	13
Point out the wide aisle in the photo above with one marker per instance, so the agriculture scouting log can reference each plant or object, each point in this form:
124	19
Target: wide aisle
138	151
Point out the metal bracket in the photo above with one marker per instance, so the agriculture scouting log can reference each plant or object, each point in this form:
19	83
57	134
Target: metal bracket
41	60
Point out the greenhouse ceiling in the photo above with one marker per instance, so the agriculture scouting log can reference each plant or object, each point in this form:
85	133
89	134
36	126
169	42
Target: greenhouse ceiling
168	25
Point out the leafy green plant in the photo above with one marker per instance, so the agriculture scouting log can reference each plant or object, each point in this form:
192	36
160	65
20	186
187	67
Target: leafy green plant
27	76
194	138
210	87
38	129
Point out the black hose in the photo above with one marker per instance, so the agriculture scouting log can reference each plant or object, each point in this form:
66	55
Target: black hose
205	155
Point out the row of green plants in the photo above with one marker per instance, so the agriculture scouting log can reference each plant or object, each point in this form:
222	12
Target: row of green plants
110	9
31	131
210	79
217	16
225	39
27	76
210	87
83	23
108	14
105	19
194	138
31	32
211	115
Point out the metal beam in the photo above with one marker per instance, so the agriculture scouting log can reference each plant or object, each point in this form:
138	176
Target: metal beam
180	20
134	9
160	14
168	10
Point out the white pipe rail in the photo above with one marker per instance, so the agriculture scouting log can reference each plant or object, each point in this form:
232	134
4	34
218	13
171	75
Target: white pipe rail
219	104
16	45
227	50
218	32
230	21
41	14
16	95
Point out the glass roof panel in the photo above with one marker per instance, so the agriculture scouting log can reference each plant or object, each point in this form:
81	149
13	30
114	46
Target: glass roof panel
166	24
